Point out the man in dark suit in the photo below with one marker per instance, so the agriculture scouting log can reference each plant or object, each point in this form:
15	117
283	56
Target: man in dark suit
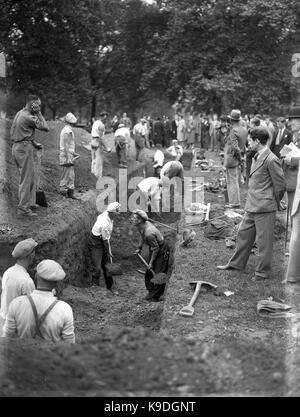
281	137
266	189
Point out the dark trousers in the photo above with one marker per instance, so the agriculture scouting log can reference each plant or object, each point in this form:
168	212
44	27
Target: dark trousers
121	155
100	258
160	264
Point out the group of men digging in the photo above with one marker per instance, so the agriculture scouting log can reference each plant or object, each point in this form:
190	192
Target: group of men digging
266	188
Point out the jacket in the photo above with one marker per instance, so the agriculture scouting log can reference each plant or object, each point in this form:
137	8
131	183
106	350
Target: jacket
285	139
266	185
236	140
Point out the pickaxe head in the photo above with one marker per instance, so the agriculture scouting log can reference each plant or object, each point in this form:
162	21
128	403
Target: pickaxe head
204	285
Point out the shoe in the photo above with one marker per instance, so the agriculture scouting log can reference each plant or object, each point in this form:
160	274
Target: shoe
226	267
148	297
232	206
258	278
27	213
70	194
123	166
34	207
112	292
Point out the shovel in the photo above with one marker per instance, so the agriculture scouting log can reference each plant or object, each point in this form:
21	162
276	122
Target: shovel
159	278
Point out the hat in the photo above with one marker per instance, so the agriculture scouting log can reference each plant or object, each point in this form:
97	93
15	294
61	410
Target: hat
121	125
294	113
50	271
70	118
141	214
103	113
24	248
235	115
113	207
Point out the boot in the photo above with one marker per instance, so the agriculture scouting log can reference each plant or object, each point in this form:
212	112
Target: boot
70	194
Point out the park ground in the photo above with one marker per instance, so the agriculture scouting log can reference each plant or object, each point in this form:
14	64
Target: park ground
127	347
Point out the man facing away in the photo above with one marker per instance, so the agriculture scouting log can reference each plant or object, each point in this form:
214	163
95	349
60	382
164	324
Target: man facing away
139	135
266	189
122	140
98	145
235	144
41	314
22	133
16	281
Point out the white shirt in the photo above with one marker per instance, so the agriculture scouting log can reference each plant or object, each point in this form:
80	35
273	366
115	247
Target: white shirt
150	186
140	129
123	131
103	226
58	325
171	165
98	129
15	282
159	158
66	144
172	151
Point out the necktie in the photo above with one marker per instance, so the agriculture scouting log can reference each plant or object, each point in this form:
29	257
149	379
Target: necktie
278	137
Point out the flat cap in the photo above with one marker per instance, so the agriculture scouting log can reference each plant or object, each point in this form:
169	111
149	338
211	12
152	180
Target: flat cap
70	118
141	214
113	207
50	271
24	248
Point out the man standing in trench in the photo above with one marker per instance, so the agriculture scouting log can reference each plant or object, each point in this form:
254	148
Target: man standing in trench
266	189
22	133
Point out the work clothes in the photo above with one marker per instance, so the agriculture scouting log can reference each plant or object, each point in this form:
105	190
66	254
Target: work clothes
172	169
22	134
97	148
181	131
154	240
265	191
122	138
100	258
176	151
66	155
15	282
98	245
150	192
233	188
57	326
139	135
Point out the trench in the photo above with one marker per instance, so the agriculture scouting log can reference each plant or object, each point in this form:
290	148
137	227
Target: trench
63	236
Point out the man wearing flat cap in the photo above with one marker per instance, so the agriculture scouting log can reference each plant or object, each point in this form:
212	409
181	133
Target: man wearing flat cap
98	145
16	281
99	245
67	157
41	314
159	253
234	146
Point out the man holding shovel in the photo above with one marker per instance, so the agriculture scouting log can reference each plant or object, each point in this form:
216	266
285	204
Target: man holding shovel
99	245
159	253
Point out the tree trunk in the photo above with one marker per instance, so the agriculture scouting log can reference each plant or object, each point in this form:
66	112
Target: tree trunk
94	106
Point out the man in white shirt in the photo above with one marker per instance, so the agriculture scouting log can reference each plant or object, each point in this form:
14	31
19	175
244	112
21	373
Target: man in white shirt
16	281
99	245
41	314
150	192
158	161
139	134
122	140
67	156
98	145
176	150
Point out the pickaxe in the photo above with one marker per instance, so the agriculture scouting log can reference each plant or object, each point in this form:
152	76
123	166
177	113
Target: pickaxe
188	310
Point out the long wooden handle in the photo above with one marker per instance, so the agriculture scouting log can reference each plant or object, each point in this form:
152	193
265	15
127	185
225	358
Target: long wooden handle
144	262
195	295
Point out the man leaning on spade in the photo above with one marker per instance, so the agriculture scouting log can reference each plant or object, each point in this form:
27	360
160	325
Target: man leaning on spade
265	191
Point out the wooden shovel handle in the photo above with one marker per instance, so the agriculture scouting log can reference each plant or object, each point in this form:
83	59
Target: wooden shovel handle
145	263
195	295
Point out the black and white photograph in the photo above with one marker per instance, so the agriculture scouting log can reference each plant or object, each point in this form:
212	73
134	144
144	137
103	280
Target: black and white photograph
149	201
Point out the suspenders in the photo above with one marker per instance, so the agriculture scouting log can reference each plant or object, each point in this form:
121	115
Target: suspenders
39	321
